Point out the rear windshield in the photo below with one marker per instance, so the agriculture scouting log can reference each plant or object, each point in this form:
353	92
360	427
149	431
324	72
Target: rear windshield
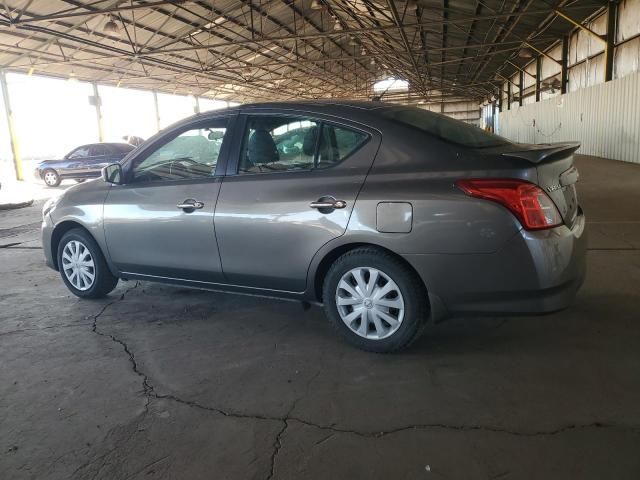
122	147
446	128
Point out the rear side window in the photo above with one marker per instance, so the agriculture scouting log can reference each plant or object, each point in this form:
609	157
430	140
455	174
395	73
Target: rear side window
98	151
445	128
337	143
279	143
121	148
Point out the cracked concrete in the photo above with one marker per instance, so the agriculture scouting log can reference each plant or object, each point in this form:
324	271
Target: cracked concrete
163	382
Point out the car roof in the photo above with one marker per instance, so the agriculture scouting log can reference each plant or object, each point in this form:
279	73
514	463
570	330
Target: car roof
109	144
324	104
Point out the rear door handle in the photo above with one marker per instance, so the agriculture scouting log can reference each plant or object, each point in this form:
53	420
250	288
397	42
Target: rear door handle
190	205
328	203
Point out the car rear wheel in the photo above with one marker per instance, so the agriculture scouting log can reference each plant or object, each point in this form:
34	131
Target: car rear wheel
375	301
83	267
51	178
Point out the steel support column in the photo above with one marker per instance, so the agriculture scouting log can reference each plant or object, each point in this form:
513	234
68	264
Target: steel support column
157	109
521	89
508	95
612	15
564	75
98	105
538	77
15	147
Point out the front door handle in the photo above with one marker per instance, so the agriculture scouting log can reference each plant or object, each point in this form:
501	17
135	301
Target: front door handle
328	203
189	205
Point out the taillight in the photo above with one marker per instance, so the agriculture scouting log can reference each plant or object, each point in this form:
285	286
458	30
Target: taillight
527	201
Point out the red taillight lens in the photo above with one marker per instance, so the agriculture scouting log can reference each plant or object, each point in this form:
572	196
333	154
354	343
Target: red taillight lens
528	202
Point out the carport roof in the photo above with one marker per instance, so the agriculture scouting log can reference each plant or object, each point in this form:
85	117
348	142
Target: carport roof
280	49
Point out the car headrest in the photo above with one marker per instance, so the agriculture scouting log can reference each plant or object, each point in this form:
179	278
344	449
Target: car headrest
262	148
309	142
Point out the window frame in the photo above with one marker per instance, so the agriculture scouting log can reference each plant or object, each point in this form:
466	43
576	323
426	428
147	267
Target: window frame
233	166
163	137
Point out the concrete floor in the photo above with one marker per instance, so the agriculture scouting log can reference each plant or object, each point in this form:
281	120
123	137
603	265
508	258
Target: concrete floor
161	382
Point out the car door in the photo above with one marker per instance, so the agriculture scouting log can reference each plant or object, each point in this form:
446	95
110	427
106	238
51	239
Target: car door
290	191
160	222
99	156
76	162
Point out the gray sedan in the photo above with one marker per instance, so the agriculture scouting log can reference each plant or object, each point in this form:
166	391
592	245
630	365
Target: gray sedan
388	215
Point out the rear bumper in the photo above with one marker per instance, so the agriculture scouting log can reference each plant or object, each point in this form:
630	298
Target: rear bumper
536	272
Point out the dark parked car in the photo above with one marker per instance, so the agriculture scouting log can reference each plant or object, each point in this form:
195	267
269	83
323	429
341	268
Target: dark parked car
82	163
388	215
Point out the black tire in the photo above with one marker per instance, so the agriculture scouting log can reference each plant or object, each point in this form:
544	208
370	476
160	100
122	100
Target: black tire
104	281
51	177
411	288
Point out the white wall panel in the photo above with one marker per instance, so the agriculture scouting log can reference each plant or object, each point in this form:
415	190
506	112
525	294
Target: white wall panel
604	118
627	58
629	20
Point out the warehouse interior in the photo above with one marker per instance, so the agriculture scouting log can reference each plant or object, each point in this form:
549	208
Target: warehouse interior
158	381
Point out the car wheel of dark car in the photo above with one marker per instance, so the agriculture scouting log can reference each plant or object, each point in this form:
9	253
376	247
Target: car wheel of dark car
82	265
51	178
375	301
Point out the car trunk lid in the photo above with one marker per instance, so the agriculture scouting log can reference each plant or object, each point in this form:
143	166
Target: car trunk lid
557	174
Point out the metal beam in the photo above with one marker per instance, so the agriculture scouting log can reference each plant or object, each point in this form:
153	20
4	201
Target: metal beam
407	46
105	11
542	52
579	25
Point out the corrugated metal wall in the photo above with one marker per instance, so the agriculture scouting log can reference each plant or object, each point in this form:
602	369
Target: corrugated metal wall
605	118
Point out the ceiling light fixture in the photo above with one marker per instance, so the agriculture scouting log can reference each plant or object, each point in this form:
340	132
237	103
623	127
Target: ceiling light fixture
525	53
337	27
317	5
111	27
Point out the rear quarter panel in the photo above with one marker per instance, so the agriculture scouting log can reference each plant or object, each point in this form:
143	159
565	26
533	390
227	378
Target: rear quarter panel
421	170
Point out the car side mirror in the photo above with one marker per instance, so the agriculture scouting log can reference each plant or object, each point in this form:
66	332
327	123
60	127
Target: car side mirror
112	174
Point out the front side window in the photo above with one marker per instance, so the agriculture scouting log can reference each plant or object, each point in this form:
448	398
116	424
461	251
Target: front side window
192	154
79	152
273	144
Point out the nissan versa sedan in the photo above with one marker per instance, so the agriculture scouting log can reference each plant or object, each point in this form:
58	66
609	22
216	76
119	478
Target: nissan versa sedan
387	215
81	163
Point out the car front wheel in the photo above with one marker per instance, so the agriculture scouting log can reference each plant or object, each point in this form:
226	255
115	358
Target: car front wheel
375	301
83	267
51	178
